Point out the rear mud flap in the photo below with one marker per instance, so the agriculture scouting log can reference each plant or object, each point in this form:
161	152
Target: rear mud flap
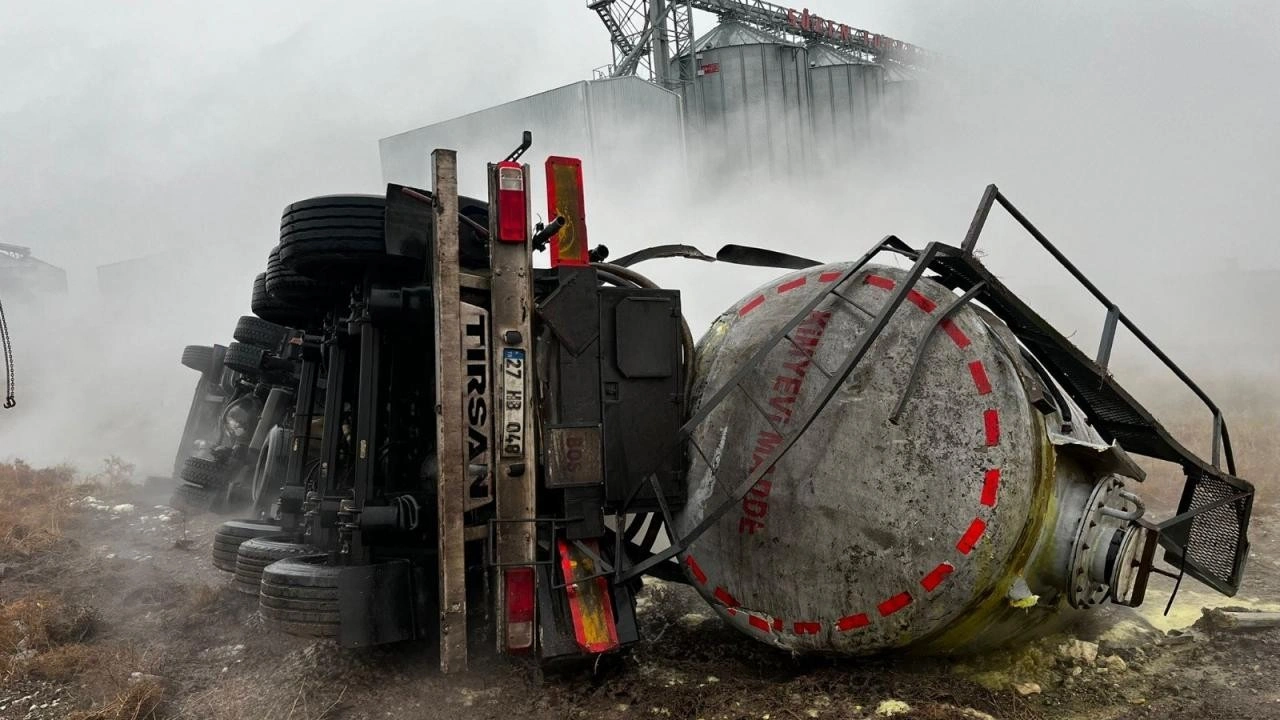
565	633
375	604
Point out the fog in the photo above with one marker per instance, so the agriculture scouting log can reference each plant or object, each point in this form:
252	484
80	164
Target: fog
1144	140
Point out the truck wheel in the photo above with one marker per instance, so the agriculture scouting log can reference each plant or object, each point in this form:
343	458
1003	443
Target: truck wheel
255	554
191	499
272	310
335	237
301	292
272	465
229	536
245	359
198	357
299	596
207	474
307	296
260	333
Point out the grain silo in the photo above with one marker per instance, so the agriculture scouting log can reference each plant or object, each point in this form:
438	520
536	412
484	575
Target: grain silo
845	95
748	107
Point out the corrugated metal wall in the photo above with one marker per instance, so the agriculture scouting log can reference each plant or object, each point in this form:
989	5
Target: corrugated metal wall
614	125
758	110
846	109
749	111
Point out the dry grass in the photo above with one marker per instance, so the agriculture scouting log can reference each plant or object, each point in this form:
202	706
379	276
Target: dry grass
139	700
36	504
41	637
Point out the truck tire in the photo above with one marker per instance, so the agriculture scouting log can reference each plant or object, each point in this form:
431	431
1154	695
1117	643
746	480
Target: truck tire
304	294
229	536
198	357
191	499
207	474
245	359
255	554
273	310
299	595
334	236
260	333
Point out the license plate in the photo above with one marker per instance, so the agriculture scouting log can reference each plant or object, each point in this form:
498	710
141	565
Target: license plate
513	399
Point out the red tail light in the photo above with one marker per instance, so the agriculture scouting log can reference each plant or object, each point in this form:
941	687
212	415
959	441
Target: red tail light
521	607
513	203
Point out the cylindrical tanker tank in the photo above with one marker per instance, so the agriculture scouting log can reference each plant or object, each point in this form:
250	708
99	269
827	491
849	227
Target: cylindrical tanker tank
978	509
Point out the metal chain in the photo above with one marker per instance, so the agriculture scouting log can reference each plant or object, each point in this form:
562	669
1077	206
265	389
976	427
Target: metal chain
7	346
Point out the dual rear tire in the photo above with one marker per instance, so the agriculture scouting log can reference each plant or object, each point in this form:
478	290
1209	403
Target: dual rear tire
299	595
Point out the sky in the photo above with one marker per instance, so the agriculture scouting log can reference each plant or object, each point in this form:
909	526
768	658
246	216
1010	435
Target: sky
1144	136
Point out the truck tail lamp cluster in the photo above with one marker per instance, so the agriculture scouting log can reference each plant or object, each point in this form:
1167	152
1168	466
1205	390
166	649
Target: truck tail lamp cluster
513	203
520	605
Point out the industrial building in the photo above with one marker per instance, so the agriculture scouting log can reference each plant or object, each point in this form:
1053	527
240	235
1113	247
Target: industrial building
24	278
768	93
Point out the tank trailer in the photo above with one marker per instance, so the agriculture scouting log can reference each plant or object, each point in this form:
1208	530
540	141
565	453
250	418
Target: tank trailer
430	439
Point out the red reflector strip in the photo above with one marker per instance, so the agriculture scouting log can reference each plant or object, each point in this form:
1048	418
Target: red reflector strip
758	623
852	622
991	423
921	301
894	604
880	282
936	576
956	334
979	373
792	285
808	628
698	575
725	598
990	487
777	624
827	277
971	536
752	304
564	198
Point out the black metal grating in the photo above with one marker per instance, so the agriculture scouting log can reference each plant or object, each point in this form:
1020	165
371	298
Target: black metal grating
1217	544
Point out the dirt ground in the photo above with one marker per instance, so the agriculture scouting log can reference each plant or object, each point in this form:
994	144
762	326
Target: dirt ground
116	612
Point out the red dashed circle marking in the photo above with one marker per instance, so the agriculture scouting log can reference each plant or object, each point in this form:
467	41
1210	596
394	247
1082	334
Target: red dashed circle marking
752	304
967	542
990	487
979	373
792	285
894	604
971	536
991	426
852	622
935	577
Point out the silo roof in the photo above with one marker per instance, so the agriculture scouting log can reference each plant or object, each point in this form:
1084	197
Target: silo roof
896	73
825	55
731	32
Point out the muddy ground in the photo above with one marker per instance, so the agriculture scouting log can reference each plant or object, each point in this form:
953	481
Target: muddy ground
118	613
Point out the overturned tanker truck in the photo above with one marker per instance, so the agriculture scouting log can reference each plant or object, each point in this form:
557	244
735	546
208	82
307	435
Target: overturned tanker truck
432	439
